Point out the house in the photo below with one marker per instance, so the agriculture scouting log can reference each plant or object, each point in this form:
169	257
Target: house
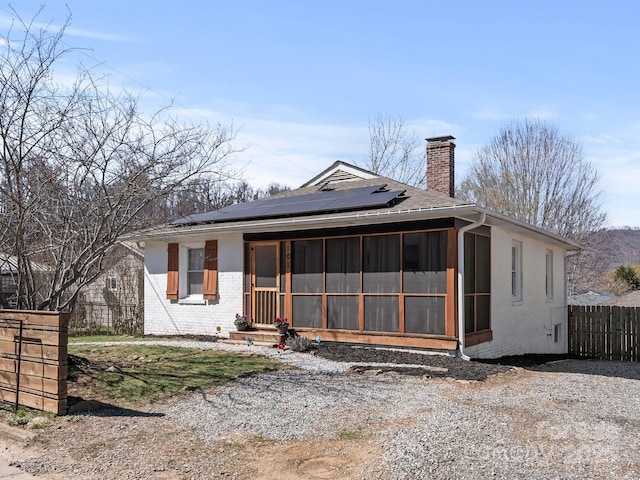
9	279
355	257
629	299
115	299
590	297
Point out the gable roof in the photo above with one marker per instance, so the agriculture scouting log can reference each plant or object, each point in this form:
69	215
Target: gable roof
402	203
9	264
340	172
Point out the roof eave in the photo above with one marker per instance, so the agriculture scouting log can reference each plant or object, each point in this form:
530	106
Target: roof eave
466	212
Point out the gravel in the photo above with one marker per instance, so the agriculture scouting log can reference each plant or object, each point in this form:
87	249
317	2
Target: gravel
569	419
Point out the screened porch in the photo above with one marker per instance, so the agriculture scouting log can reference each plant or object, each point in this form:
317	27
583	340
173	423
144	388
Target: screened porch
364	287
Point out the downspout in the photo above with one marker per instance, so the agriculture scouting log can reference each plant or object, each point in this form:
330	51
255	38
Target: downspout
461	329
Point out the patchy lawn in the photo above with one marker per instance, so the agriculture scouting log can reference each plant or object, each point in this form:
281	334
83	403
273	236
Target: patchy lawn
113	337
127	374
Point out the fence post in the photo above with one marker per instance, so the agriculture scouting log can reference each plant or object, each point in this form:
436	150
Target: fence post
19	362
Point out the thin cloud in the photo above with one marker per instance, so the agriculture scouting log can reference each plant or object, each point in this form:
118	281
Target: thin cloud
602	139
97	35
9	21
287	152
291	152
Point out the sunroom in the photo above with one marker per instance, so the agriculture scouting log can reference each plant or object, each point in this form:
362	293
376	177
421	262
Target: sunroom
392	284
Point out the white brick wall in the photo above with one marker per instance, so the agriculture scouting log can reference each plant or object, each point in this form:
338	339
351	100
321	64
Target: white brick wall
518	328
164	317
527	326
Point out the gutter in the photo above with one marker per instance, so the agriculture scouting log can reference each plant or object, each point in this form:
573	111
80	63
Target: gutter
461	232
302	222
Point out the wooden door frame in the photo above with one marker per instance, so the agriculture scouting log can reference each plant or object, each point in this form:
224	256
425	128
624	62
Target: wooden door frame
253	288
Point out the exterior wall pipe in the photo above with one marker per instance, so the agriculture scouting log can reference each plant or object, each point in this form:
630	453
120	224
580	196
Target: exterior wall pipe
461	329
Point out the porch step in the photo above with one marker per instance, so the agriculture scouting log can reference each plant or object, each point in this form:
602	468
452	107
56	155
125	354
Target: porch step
258	336
244	342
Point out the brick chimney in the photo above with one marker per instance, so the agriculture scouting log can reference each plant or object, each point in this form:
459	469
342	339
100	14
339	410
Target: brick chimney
440	168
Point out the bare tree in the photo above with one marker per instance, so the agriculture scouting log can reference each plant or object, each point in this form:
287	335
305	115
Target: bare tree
272	189
531	172
78	166
205	194
394	151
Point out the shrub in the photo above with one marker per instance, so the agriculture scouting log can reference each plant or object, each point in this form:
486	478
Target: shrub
298	343
629	275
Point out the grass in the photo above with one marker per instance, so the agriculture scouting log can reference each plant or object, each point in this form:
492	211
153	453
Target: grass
20	417
128	374
26	416
115	338
349	434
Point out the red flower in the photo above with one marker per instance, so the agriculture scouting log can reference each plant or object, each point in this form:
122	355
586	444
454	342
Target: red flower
281	346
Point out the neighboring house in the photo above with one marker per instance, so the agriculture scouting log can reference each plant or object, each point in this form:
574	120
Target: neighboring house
115	298
591	297
9	279
631	299
355	257
8	286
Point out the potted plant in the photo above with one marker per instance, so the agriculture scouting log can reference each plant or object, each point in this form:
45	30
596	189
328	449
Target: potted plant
282	325
241	322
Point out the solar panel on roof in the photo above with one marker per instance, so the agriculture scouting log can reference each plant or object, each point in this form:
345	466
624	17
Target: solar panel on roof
318	202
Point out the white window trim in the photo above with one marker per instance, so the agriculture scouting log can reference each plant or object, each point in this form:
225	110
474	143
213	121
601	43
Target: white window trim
548	276
183	285
516	272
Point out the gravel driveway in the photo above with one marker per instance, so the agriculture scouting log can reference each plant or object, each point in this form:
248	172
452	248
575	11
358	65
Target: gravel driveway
565	420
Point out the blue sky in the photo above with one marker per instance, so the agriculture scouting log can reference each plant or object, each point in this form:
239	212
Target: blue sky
300	79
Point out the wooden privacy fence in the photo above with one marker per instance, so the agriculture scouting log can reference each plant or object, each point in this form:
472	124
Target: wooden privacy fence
33	359
605	332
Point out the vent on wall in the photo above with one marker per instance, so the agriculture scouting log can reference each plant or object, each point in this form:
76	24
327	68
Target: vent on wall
557	332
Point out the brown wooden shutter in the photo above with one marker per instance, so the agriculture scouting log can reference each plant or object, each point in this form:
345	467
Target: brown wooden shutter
210	287
172	271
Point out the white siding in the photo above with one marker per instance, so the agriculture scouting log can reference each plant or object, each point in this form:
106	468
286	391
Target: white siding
525	326
164	317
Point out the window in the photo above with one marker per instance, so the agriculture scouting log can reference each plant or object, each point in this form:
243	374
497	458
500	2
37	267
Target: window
195	271
192	271
112	284
477	283
548	278
516	271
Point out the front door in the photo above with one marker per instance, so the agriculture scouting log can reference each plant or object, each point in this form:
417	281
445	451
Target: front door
265	282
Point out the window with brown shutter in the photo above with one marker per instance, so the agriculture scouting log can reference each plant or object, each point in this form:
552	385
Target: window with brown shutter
172	271
210	287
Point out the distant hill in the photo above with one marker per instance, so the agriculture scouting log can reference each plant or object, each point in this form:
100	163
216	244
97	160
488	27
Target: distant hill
609	250
618	247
